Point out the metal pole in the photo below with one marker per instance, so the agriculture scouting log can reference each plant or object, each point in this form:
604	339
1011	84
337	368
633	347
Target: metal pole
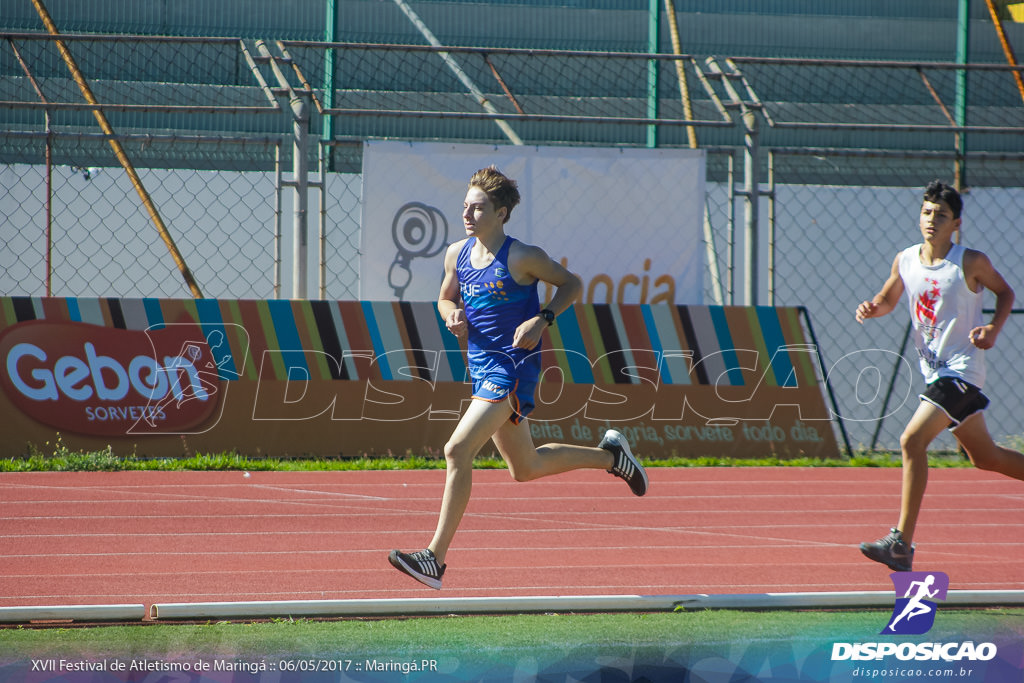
653	24
751	181
684	89
325	156
49	207
300	105
278	186
960	109
750	206
1011	59
330	35
731	246
300	176
771	228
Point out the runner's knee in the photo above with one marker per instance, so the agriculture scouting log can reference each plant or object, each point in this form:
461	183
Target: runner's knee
456	454
913	444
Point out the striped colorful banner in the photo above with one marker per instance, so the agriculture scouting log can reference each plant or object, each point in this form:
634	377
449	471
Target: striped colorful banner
400	341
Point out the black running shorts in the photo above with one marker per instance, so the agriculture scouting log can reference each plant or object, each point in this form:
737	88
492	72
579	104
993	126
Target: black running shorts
958	399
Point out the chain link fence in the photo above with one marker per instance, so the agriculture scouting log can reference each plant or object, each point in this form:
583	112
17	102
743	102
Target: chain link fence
822	161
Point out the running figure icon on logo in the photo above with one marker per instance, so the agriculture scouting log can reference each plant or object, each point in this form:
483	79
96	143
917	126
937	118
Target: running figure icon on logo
914	613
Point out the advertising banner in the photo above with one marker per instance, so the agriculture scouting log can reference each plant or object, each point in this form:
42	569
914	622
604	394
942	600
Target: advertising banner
171	377
627	221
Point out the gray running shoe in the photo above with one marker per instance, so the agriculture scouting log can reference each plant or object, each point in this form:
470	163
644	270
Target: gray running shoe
891	551
421	565
626	466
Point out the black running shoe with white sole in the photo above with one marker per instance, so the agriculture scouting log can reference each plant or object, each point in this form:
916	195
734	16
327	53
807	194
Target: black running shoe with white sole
891	550
626	466
421	565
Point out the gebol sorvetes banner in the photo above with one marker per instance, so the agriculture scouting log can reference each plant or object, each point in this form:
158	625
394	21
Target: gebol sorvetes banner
167	377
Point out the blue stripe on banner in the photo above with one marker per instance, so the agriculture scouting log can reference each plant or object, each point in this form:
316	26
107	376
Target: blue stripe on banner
392	351
575	351
655	339
288	339
378	343
677	357
91	311
154	314
774	340
73	311
212	324
346	359
725	344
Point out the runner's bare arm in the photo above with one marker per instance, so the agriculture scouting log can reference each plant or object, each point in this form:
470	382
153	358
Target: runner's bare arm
886	299
449	299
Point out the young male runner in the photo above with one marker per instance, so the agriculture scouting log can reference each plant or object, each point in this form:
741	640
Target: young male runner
944	284
489	295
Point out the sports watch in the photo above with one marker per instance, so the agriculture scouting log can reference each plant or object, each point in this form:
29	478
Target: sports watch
548	316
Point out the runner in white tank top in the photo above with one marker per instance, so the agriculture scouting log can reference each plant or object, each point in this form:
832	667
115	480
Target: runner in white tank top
944	284
943	311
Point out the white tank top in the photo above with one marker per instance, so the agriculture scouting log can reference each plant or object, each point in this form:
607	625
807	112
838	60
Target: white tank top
944	311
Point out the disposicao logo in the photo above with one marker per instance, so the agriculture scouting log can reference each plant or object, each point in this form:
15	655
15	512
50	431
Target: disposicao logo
914	613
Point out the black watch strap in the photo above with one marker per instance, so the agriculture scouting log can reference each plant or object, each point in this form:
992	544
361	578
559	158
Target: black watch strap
548	316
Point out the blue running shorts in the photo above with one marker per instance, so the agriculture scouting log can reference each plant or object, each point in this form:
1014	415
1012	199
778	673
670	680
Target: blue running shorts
498	387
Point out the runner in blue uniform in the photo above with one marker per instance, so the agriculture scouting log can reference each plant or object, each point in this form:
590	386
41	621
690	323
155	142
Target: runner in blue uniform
489	296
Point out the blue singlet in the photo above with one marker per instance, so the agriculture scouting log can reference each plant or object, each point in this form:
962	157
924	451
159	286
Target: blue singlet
495	306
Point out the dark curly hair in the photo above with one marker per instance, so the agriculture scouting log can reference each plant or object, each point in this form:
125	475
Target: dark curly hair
939	191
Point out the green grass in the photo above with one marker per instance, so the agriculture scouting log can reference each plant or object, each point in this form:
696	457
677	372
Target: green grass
104	461
496	637
57	457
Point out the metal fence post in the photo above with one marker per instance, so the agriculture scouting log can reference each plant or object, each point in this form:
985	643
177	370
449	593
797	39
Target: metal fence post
300	179
962	57
750	206
299	101
653	26
751	175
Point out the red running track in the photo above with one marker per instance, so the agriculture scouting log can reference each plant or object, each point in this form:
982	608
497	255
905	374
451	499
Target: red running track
152	537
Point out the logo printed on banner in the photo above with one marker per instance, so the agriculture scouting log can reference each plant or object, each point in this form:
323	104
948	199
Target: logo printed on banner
419	231
102	381
914	612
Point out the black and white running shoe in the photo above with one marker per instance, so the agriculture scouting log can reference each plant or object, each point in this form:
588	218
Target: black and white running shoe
626	466
891	550
421	565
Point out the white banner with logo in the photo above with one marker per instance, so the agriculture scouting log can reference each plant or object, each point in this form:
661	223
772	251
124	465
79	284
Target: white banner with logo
627	221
